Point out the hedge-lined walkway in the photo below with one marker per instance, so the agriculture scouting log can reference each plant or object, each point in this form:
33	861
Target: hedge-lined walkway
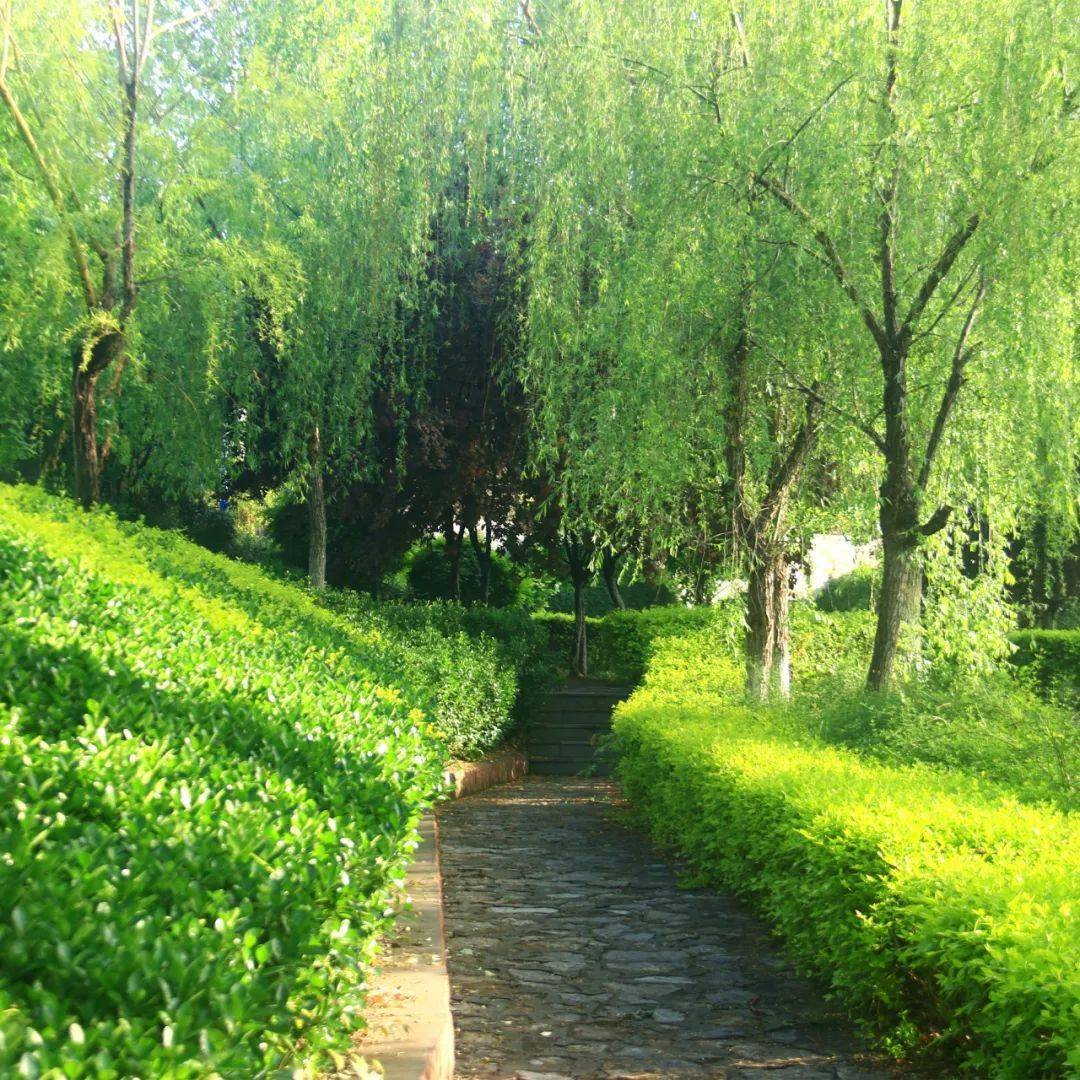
575	953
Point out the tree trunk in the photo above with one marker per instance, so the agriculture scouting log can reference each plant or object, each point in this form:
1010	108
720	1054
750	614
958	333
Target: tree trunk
610	569
898	604
781	621
768	627
316	501
760	632
87	463
483	560
579	659
453	557
580	560
88	362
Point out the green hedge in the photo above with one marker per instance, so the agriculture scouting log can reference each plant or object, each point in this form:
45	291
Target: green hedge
479	671
941	910
854	591
622	642
209	792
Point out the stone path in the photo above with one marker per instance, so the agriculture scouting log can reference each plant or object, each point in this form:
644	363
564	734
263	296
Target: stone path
574	953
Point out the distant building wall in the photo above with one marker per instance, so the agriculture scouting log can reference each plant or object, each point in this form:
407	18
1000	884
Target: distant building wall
832	555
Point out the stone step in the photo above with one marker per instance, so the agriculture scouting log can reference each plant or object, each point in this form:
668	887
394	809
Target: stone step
569	736
562	752
565	702
562	767
574	719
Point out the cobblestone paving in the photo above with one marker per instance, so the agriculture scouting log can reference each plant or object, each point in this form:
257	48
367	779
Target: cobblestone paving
574	953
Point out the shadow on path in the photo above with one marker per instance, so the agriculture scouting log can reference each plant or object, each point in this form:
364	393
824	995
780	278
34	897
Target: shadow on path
575	953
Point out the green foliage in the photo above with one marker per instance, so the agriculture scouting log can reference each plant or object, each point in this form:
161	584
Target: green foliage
478	670
940	909
427	572
851	592
209	786
637	595
1053	656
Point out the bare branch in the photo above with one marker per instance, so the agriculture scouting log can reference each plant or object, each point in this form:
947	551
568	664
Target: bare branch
810	118
831	255
526	12
119	21
183	20
961	356
938	272
740	33
936	522
947	306
787	471
814	393
143	48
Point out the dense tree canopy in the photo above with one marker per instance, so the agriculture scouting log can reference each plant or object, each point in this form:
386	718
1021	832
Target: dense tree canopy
693	286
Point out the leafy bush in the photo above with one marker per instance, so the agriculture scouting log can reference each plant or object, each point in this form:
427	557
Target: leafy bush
1052	656
479	670
209	790
940	909
855	591
620	643
637	595
427	571
995	729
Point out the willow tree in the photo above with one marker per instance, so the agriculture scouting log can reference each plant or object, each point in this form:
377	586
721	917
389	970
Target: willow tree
324	200
918	161
909	167
668	360
73	92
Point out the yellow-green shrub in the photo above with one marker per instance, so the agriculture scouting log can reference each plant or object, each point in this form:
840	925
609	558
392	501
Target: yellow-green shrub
938	908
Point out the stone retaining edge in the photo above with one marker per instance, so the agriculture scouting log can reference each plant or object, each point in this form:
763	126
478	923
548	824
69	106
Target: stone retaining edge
470	777
410	1029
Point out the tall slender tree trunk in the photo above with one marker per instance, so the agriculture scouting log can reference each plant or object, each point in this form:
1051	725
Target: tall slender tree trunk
760	633
482	550
316	500
898	515
579	658
781	673
609	567
87	464
453	556
768	632
580	560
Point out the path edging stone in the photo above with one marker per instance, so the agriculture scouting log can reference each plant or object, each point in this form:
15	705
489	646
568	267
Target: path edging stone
410	1028
470	777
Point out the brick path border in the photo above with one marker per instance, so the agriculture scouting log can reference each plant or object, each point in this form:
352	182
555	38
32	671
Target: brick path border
410	1028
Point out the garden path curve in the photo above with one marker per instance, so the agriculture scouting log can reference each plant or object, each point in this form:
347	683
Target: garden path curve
574	953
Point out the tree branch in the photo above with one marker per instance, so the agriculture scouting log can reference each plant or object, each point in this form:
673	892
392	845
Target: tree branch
856	421
810	118
961	355
55	195
936	522
949	254
831	255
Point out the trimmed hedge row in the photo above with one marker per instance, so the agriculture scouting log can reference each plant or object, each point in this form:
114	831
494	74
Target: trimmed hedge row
209	791
939	909
477	671
622	643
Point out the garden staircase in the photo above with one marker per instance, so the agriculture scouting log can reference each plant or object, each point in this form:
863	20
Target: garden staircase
566	739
